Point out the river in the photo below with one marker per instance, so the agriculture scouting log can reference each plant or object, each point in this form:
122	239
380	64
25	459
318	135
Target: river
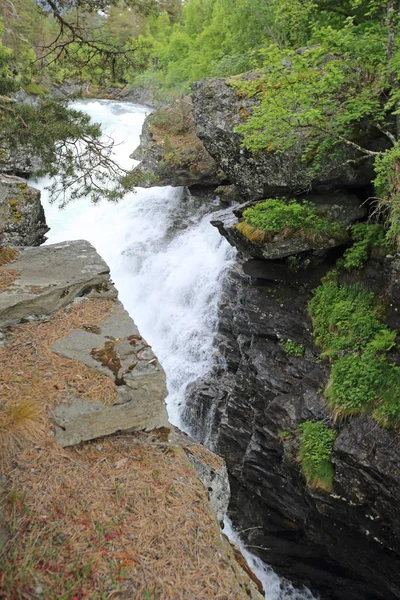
168	264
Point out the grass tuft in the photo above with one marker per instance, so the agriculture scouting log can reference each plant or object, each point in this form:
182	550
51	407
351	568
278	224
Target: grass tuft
254	234
348	329
19	424
288	218
315	452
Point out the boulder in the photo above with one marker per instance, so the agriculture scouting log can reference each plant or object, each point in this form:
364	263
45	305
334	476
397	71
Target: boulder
50	277
116	349
171	153
218	109
22	219
342	207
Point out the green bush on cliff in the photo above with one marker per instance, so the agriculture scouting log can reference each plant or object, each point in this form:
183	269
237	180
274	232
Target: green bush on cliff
348	329
292	347
345	318
315	452
288	218
366	236
355	383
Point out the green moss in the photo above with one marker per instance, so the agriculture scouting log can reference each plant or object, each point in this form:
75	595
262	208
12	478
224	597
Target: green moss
345	318
365	237
292	347
290	218
14	206
348	329
315	453
36	89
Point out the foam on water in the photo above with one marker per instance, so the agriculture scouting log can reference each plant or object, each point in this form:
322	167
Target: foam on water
168	264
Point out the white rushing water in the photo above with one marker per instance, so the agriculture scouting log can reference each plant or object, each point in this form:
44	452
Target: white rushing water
168	264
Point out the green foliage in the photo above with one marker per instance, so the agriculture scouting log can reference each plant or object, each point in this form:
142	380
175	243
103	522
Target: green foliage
292	347
387	188
355	383
35	89
348	330
344	318
315	453
278	215
365	237
325	91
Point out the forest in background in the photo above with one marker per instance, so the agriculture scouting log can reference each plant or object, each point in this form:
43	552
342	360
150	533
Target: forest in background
176	42
330	69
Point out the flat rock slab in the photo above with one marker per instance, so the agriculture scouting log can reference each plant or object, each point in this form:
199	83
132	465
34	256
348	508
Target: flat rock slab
115	348
51	277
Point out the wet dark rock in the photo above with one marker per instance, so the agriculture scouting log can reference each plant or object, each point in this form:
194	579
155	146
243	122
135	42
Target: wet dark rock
218	110
345	544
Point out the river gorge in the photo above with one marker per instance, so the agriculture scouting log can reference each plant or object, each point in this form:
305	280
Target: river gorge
168	264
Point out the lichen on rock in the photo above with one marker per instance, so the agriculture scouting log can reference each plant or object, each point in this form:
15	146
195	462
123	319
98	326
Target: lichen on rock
22	219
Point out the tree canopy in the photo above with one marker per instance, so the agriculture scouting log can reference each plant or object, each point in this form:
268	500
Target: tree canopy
326	68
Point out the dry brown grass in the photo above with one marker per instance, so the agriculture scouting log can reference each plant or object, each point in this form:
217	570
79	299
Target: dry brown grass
7	255
124	517
116	518
31	374
7	276
20	422
254	234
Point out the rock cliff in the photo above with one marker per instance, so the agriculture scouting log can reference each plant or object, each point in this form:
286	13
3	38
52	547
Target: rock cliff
89	464
217	110
171	153
269	376
345	543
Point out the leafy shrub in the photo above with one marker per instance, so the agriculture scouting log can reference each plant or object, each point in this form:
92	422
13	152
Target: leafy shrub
35	89
288	218
355	383
292	347
347	328
315	452
387	411
365	236
345	318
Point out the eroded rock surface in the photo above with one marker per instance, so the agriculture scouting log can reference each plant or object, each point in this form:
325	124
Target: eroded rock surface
212	472
218	110
116	349
172	154
22	219
344	544
50	277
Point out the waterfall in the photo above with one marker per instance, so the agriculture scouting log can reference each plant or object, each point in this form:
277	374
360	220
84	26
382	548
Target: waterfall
167	263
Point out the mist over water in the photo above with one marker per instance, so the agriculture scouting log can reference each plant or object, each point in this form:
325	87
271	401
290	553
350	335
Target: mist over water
167	263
